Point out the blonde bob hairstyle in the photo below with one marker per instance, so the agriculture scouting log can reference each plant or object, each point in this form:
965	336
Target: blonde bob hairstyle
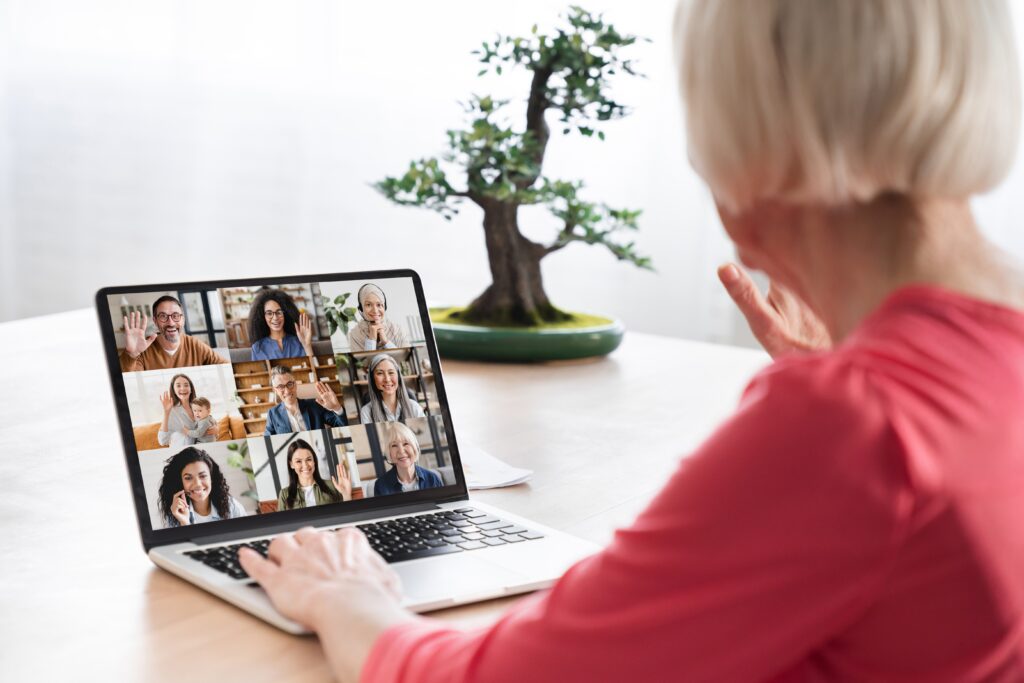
838	101
396	432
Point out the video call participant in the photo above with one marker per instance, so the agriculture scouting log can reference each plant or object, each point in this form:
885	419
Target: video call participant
374	331
173	348
276	327
193	490
294	414
389	399
179	416
402	450
205	430
306	488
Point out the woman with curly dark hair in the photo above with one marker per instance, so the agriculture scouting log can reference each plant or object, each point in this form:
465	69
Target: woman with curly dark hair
193	490
277	328
306	487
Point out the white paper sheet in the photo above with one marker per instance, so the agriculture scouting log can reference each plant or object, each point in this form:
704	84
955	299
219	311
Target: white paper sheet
484	471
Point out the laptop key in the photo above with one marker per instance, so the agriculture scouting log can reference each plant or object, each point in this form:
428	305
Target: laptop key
471	545
486	519
494	525
465	510
494	541
492	533
473	513
515	530
531	535
452	532
473	537
426	552
513	538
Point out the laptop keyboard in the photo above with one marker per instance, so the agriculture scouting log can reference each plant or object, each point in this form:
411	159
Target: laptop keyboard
406	538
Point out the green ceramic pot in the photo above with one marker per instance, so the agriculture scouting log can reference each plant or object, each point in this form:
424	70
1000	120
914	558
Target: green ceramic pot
516	345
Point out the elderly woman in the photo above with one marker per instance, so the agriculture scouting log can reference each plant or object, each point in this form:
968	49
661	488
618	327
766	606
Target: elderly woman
402	450
389	399
374	331
860	517
277	328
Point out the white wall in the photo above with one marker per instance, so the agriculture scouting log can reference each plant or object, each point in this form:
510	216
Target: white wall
198	139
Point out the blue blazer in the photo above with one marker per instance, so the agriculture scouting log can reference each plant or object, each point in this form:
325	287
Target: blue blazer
388	483
316	417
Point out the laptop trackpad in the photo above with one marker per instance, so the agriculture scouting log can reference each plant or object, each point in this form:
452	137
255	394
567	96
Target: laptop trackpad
453	576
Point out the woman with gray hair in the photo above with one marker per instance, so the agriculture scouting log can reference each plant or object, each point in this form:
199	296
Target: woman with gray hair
860	517
389	399
374	331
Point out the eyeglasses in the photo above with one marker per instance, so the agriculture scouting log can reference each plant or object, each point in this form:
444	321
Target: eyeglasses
273	314
164	317
282	387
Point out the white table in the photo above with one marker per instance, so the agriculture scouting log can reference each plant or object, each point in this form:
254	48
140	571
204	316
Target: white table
80	600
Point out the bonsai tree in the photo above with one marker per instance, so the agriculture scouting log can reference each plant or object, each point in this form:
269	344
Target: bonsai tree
500	166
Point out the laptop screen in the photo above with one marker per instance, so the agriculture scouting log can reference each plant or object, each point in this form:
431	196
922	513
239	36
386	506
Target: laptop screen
269	398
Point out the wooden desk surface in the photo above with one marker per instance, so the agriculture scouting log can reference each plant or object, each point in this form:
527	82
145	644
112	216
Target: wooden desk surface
81	601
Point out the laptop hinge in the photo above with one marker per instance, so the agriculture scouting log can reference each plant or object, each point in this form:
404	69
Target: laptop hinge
332	520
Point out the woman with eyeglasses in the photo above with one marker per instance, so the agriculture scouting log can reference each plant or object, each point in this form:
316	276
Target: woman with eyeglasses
277	328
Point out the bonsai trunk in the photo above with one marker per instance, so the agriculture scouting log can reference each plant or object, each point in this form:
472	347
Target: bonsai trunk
516	295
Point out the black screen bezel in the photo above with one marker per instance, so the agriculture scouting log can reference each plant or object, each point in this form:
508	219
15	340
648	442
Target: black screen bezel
338	512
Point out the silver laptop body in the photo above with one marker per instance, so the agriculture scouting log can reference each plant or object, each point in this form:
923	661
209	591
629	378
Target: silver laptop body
531	559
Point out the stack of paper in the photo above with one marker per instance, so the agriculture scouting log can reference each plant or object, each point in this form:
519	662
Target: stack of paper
484	471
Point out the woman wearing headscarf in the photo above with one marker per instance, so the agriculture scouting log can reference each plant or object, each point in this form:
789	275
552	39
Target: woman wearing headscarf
374	331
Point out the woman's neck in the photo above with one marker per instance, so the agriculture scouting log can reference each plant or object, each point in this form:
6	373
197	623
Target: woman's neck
304	482
391	401
848	261
188	410
277	335
406	476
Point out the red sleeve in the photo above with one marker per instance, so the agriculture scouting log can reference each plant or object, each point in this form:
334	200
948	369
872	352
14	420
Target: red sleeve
773	536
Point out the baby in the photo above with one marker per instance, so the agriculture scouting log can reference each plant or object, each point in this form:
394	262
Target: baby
201	411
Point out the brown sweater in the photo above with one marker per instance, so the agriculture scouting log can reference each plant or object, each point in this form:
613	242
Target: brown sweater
191	352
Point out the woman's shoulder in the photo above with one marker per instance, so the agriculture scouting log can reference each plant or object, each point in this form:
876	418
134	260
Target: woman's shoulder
237	510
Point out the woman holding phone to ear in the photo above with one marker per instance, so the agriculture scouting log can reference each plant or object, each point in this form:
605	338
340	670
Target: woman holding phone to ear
193	490
374	331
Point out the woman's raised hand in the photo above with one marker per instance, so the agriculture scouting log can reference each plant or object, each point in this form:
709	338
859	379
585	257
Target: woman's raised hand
179	508
343	482
135	339
781	322
166	401
305	332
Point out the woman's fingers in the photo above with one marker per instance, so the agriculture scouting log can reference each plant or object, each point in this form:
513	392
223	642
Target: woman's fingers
748	298
282	547
263	571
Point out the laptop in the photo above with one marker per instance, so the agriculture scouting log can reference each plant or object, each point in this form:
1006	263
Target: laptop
253	407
